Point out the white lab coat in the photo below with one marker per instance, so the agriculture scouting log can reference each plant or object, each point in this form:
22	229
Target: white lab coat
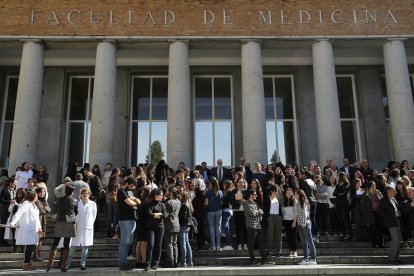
28	222
84	223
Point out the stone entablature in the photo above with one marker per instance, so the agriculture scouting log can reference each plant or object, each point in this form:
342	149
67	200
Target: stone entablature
206	18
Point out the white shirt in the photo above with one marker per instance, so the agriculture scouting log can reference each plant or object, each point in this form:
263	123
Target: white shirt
22	177
274	206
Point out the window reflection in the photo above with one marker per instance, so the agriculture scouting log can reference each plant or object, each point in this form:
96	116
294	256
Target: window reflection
204	142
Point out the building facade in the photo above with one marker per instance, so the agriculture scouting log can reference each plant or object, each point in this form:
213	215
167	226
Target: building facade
101	81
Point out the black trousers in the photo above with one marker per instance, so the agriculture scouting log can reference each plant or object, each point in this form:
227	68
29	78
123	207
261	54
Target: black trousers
154	239
343	210
253	236
66	242
322	217
313	218
240	227
291	234
28	250
376	230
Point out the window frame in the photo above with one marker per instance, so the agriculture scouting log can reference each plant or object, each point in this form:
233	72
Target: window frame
294	120
213	119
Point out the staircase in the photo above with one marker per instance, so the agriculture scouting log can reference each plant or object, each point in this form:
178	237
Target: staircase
104	253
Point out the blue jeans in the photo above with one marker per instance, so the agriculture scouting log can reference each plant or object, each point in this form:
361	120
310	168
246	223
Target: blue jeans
112	219
305	234
214	226
185	248
225	226
127	237
84	255
154	239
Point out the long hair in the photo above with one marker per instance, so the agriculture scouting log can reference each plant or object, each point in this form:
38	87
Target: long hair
185	198
288	201
215	186
303	199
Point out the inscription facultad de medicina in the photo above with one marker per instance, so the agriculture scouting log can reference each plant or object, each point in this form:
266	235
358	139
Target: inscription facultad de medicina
207	18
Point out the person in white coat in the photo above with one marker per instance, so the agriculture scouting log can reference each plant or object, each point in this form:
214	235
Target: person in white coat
27	220
84	222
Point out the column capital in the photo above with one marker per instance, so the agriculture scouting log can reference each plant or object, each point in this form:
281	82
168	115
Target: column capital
35	40
187	41
395	39
112	41
247	40
323	40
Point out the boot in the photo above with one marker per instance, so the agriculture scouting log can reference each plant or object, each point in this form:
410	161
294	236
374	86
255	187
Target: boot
28	267
36	256
65	254
52	256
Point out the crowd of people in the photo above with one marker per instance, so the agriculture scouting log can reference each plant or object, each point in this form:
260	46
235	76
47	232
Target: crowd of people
150	208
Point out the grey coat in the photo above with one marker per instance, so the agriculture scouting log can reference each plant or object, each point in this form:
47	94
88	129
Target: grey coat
171	223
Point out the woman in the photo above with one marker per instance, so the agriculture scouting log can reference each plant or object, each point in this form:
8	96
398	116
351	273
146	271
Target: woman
42	175
156	212
272	220
404	168
371	199
161	173
303	223
289	214
64	227
255	185
44	209
185	219
84	223
199	214
237	198
108	172
112	205
357	209
322	206
360	176
342	206
4	177
140	232
213	202
7	201
227	214
27	219
31	185
333	216
23	175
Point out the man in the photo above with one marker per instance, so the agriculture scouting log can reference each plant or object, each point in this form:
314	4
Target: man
259	175
348	169
246	169
366	171
388	208
205	172
328	163
253	215
220	172
407	209
78	184
172	227
181	166
126	204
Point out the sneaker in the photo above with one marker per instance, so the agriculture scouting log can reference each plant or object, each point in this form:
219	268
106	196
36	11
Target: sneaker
267	262
255	263
304	262
181	265
83	267
130	258
239	247
189	264
219	248
211	248
291	254
125	268
228	247
295	254
245	247
312	262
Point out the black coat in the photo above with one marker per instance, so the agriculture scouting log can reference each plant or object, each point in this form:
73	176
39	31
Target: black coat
226	174
387	212
408	213
351	171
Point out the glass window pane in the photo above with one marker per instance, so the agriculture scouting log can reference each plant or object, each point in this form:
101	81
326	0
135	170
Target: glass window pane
349	138
5	146
91	97
159	98
141	99
79	98
222	98
271	139
203	99
76	147
385	97
284	102
269	100
11	99
222	140
204	142
142	141
159	133
286	142
345	97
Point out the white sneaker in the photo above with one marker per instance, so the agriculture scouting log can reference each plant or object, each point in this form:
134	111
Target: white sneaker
291	254
295	254
245	247
303	262
239	247
228	247
312	262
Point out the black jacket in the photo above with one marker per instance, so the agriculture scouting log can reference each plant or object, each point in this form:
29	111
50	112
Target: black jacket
387	211
155	207
266	209
67	209
235	204
408	213
184	215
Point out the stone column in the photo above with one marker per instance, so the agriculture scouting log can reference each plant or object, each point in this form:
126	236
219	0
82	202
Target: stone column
253	103
103	104
180	133
328	124
400	99
28	106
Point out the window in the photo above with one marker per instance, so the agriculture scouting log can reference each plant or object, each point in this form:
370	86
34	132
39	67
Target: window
213	116
149	116
348	110
8	100
280	118
78	119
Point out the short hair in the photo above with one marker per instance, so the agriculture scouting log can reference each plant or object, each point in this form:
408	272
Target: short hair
370	184
69	189
250	192
78	176
170	180
85	190
389	188
130	180
30	196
